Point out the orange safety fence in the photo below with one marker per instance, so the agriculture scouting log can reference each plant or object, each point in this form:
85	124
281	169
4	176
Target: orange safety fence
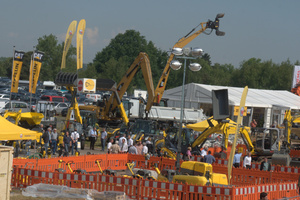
152	189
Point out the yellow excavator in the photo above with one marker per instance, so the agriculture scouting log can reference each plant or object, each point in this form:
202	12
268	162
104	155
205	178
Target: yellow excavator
111	108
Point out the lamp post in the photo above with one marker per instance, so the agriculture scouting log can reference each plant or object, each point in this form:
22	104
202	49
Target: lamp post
176	65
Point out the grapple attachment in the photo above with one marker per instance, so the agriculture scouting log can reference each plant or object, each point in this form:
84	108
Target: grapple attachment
66	79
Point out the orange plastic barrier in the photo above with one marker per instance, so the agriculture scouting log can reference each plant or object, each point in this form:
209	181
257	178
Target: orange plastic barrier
151	189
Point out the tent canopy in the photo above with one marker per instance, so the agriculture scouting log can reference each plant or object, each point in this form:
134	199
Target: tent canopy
201	93
10	131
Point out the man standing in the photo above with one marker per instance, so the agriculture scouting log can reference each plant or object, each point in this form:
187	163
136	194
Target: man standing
111	141
115	148
132	149
46	137
121	139
103	139
139	148
247	161
237	159
54	138
93	137
74	137
209	158
145	149
129	141
253	125
67	142
123	146
265	165
204	151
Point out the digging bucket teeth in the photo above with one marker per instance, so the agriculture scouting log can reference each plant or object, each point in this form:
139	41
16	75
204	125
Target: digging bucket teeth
106	84
66	79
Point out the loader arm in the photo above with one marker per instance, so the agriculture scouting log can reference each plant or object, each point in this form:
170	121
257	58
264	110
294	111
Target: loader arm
141	62
182	42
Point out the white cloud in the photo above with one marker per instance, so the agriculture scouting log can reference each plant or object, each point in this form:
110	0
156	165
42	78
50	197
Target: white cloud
92	34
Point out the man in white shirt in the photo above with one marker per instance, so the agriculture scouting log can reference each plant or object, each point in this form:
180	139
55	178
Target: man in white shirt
123	146
74	137
111	141
204	151
129	141
247	161
145	149
121	139
103	139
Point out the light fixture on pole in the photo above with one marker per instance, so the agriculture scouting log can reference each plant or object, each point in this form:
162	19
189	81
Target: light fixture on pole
176	65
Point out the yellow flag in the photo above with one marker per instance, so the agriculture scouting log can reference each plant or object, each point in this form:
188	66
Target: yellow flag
80	33
68	41
239	122
35	68
16	71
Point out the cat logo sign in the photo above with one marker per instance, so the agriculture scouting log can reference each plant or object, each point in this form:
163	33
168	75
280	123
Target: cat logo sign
243	111
89	84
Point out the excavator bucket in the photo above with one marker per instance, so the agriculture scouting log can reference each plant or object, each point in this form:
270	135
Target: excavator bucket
66	79
106	84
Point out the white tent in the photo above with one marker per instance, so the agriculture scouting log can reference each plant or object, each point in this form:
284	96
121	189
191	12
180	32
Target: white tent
196	94
200	93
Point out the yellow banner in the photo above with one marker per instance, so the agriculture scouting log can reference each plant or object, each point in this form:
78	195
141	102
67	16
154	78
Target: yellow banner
80	33
35	68
16	71
68	41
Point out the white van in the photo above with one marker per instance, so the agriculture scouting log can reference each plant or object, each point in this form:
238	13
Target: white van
94	97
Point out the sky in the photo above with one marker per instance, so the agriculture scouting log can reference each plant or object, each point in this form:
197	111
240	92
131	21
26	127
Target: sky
268	30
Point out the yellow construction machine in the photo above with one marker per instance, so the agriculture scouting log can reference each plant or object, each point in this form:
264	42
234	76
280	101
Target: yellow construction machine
193	172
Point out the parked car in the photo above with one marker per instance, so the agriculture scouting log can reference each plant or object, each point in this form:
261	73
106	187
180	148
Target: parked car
54	98
15	106
4	96
59	106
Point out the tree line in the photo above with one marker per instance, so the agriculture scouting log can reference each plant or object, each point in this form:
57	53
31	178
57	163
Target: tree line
114	60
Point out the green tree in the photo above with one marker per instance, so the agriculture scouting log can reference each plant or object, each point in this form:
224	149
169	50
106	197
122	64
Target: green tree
53	56
115	59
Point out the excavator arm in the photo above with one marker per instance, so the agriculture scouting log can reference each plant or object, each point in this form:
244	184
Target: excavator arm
161	86
141	62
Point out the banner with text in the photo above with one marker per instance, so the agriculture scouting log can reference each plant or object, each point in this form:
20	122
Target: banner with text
35	68
68	41
296	75
16	71
80	33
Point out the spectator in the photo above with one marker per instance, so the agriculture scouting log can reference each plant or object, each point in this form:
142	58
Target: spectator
139	148
46	137
188	153
209	158
253	125
263	196
115	148
111	141
247	161
103	139
121	139
27	147
237	159
145	149
123	146
93	137
265	165
74	137
133	149
150	145
129	141
204	151
67	142
54	139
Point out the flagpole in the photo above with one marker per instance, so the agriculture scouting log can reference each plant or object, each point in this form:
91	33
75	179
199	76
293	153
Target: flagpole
12	73
31	72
